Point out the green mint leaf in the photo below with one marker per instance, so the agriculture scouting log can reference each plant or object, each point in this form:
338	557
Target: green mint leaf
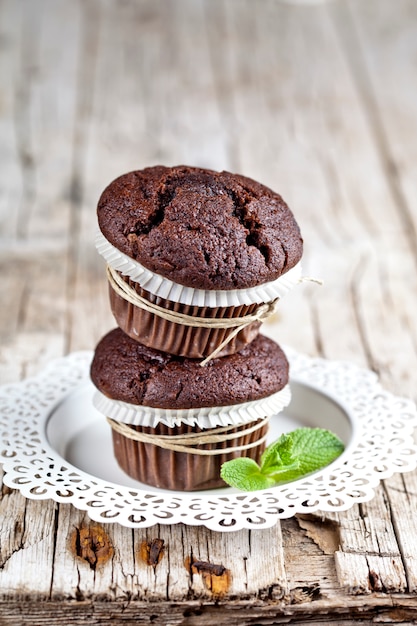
292	456
278	454
244	473
312	449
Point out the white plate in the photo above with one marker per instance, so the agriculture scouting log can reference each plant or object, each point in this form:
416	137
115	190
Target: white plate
54	444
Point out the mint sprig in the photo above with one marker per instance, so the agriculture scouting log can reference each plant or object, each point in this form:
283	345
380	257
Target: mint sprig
294	455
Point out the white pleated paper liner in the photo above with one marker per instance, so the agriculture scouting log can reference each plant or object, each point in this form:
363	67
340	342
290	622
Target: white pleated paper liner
206	417
167	289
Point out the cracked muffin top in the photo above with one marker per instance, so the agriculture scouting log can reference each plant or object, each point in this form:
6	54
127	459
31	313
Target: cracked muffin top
156	379
200	228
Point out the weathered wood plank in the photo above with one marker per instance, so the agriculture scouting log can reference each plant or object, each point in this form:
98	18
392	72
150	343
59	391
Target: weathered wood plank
394	609
26	547
367	533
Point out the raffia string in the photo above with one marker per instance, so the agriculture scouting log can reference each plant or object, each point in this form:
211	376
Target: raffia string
125	291
311	279
185	442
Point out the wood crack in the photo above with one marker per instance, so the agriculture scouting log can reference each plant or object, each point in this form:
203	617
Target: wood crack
397	534
354	287
19	529
54	546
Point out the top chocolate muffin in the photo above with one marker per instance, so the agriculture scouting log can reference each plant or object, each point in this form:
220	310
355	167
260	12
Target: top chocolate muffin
200	228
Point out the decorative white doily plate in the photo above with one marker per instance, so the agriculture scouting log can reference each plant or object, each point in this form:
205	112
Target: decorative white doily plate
54	444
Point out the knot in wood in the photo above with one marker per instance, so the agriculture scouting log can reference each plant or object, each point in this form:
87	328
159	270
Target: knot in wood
152	551
92	544
216	578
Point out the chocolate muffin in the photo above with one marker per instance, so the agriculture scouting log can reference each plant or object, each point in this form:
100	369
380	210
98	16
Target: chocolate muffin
189	419
218	243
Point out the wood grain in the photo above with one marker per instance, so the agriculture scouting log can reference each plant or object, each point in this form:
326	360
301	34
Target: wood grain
319	103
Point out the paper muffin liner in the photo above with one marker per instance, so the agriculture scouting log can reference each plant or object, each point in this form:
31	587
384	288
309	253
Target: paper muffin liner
169	290
166	469
193	342
205	417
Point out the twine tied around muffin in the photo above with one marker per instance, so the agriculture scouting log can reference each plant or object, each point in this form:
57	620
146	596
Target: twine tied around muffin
187	441
125	291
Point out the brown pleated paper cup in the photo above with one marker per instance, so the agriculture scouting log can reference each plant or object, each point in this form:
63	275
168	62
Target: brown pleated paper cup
179	338
185	471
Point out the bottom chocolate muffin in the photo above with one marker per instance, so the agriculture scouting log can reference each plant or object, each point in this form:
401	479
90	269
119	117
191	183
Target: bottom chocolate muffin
171	404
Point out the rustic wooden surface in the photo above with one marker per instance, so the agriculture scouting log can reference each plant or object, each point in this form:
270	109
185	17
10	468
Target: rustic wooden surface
318	101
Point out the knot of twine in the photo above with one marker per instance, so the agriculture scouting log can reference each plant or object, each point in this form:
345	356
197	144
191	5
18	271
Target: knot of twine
125	291
185	442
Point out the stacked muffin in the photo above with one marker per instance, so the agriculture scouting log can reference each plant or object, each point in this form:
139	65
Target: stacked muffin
196	261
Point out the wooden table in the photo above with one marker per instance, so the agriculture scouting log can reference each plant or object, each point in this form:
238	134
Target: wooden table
316	100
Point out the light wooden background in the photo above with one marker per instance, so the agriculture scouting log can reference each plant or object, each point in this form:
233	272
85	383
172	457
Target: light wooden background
316	100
